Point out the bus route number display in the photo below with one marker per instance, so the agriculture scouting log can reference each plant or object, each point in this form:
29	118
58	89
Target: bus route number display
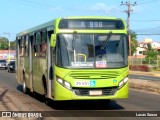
91	24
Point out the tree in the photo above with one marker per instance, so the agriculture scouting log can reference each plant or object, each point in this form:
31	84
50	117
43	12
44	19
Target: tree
151	54
3	43
13	45
134	42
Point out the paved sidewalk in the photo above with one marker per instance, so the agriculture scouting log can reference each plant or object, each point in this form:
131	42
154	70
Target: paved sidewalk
155	73
147	85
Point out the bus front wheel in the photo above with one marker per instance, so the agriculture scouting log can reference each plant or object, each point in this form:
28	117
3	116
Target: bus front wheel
24	85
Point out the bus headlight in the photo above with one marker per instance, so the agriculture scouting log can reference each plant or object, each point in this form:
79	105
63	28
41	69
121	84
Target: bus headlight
123	82
64	83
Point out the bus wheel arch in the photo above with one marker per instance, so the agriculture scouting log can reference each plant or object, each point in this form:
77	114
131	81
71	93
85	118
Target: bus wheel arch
44	82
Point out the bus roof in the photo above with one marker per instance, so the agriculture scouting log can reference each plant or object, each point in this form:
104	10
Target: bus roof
52	23
41	26
89	17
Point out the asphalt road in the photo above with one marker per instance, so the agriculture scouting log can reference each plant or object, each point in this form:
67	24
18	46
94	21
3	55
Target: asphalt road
8	79
143	77
138	101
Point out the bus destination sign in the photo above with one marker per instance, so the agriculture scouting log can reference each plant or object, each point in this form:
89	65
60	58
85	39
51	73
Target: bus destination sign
91	24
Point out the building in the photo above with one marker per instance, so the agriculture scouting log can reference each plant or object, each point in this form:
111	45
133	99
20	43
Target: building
141	49
4	54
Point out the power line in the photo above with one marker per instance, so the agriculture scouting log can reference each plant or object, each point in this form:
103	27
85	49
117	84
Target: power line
144	20
116	9
113	10
42	5
146	2
146	34
149	30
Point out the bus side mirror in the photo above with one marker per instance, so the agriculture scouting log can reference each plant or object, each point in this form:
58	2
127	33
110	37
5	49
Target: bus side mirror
53	40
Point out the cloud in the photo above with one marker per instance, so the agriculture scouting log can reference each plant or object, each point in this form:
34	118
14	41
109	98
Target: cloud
99	7
102	7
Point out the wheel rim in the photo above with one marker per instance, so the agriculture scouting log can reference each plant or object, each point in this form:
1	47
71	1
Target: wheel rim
24	87
24	84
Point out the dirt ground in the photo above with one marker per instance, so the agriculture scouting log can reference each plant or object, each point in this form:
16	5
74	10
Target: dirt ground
147	85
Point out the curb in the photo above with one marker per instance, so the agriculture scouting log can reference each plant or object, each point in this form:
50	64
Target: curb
147	85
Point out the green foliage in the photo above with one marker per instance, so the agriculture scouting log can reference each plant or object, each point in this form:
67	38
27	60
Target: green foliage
151	54
13	45
134	42
4	44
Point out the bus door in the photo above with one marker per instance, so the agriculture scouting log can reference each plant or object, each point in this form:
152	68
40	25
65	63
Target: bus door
50	63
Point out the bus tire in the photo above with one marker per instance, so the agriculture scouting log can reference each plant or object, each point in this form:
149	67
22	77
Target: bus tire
24	85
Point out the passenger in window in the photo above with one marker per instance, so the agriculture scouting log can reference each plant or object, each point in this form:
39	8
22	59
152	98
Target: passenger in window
22	52
44	48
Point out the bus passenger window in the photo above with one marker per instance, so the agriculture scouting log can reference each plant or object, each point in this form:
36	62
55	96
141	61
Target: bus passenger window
21	51
43	49
22	47
35	50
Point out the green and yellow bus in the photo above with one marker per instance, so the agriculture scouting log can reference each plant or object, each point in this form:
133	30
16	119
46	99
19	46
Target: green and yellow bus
75	58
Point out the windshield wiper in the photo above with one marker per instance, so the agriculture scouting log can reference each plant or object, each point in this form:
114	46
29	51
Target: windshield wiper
107	40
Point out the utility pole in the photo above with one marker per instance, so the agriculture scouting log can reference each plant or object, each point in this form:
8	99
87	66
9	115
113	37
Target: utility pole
128	11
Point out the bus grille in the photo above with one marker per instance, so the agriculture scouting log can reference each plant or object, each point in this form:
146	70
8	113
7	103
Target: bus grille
85	91
94	74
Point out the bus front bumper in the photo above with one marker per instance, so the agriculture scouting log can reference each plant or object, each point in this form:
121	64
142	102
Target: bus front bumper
62	93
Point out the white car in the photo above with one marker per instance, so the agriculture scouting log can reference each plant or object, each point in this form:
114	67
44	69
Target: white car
3	64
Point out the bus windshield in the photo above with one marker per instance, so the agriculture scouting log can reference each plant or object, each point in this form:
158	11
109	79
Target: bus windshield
91	50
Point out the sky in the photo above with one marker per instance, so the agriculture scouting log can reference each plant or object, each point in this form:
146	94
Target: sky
19	15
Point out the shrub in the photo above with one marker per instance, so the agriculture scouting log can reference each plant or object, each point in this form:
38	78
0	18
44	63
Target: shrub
143	68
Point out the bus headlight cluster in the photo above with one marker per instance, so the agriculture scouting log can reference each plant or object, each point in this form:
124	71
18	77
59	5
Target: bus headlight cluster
64	83
123	82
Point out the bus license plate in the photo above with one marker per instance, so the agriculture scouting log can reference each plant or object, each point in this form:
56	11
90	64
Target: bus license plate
97	92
